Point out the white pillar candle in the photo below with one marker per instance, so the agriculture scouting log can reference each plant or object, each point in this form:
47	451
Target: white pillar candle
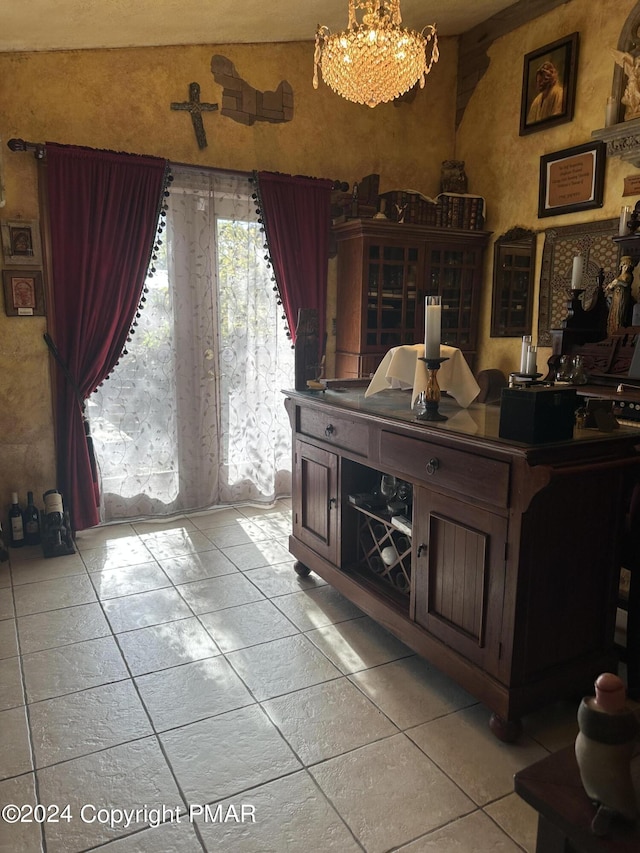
532	363
432	325
625	216
526	342
611	112
576	274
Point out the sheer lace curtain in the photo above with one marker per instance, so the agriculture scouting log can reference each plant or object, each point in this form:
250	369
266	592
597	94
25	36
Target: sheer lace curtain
194	416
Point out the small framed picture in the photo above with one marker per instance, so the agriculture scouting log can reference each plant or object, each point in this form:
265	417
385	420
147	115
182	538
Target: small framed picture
23	293
549	85
572	180
21	242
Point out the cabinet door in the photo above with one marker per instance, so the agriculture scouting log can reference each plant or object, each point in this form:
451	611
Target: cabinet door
391	281
460	573
452	273
315	499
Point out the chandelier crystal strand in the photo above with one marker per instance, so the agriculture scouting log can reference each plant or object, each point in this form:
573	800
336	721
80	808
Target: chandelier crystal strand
377	60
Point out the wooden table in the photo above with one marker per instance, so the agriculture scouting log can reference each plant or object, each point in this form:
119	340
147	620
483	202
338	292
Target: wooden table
553	787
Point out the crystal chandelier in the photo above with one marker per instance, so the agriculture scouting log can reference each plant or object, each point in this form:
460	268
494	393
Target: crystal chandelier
377	60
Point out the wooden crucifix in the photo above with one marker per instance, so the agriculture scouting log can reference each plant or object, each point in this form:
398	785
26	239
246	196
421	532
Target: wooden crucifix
195	108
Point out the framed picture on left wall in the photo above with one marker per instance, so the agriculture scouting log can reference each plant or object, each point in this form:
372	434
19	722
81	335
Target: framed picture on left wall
21	242
23	293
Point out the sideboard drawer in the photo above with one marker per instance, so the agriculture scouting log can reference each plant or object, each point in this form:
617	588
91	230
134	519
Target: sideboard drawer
337	431
478	477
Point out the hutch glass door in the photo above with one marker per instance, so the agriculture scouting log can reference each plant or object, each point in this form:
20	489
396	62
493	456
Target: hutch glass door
392	295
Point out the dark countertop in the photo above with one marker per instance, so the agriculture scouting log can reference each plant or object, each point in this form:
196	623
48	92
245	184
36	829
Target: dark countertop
479	420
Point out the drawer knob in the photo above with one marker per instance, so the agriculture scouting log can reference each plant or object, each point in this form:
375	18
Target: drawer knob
329	430
432	466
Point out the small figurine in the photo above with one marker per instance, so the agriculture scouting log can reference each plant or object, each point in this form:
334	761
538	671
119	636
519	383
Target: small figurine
401	210
453	178
604	746
619	298
630	64
634	222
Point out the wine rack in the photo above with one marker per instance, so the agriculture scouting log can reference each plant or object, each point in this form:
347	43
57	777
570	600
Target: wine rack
384	551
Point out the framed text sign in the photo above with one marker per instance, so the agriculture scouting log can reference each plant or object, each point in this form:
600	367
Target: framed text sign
572	179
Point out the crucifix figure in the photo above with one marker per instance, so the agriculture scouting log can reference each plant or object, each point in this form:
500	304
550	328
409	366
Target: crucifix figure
195	108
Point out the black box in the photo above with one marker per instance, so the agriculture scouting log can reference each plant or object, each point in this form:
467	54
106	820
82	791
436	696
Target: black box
537	414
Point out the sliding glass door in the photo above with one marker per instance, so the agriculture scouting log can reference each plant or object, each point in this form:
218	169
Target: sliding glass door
193	415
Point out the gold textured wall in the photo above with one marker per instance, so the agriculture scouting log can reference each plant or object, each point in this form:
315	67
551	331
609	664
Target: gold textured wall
120	100
504	166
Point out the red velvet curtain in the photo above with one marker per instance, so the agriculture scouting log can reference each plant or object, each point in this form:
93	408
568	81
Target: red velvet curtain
296	212
104	209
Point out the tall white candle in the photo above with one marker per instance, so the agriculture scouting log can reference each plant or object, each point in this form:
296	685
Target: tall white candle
432	325
576	274
524	352
625	216
532	361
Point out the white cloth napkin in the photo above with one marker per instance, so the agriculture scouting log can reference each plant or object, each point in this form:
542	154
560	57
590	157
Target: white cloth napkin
401	368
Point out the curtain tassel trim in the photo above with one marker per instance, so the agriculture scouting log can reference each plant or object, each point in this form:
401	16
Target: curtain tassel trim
153	256
256	198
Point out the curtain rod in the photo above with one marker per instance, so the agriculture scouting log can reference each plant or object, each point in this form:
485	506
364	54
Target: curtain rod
38	148
39	152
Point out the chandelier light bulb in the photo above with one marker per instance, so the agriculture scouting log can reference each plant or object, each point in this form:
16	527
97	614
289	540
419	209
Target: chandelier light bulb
377	60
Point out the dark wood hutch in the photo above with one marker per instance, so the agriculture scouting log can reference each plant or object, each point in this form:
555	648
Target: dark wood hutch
385	270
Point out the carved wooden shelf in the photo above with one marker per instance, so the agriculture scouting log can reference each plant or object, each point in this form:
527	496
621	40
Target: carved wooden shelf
622	140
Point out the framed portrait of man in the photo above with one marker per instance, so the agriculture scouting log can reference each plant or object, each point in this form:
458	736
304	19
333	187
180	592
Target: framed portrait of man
549	85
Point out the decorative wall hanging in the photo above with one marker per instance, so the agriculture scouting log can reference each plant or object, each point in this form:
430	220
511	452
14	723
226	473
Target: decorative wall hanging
246	105
572	179
21	242
195	107
592	240
23	293
549	85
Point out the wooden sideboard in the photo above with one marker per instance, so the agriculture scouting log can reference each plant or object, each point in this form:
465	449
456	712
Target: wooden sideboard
509	576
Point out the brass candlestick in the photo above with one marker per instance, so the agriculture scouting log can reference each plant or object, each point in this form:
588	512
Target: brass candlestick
432	391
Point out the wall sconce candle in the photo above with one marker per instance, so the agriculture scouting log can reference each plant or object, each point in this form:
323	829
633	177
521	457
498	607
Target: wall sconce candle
432	326
576	274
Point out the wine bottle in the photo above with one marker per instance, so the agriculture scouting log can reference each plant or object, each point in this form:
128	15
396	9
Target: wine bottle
31	522
16	527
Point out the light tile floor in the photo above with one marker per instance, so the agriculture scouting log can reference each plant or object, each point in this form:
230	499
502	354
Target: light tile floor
171	666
